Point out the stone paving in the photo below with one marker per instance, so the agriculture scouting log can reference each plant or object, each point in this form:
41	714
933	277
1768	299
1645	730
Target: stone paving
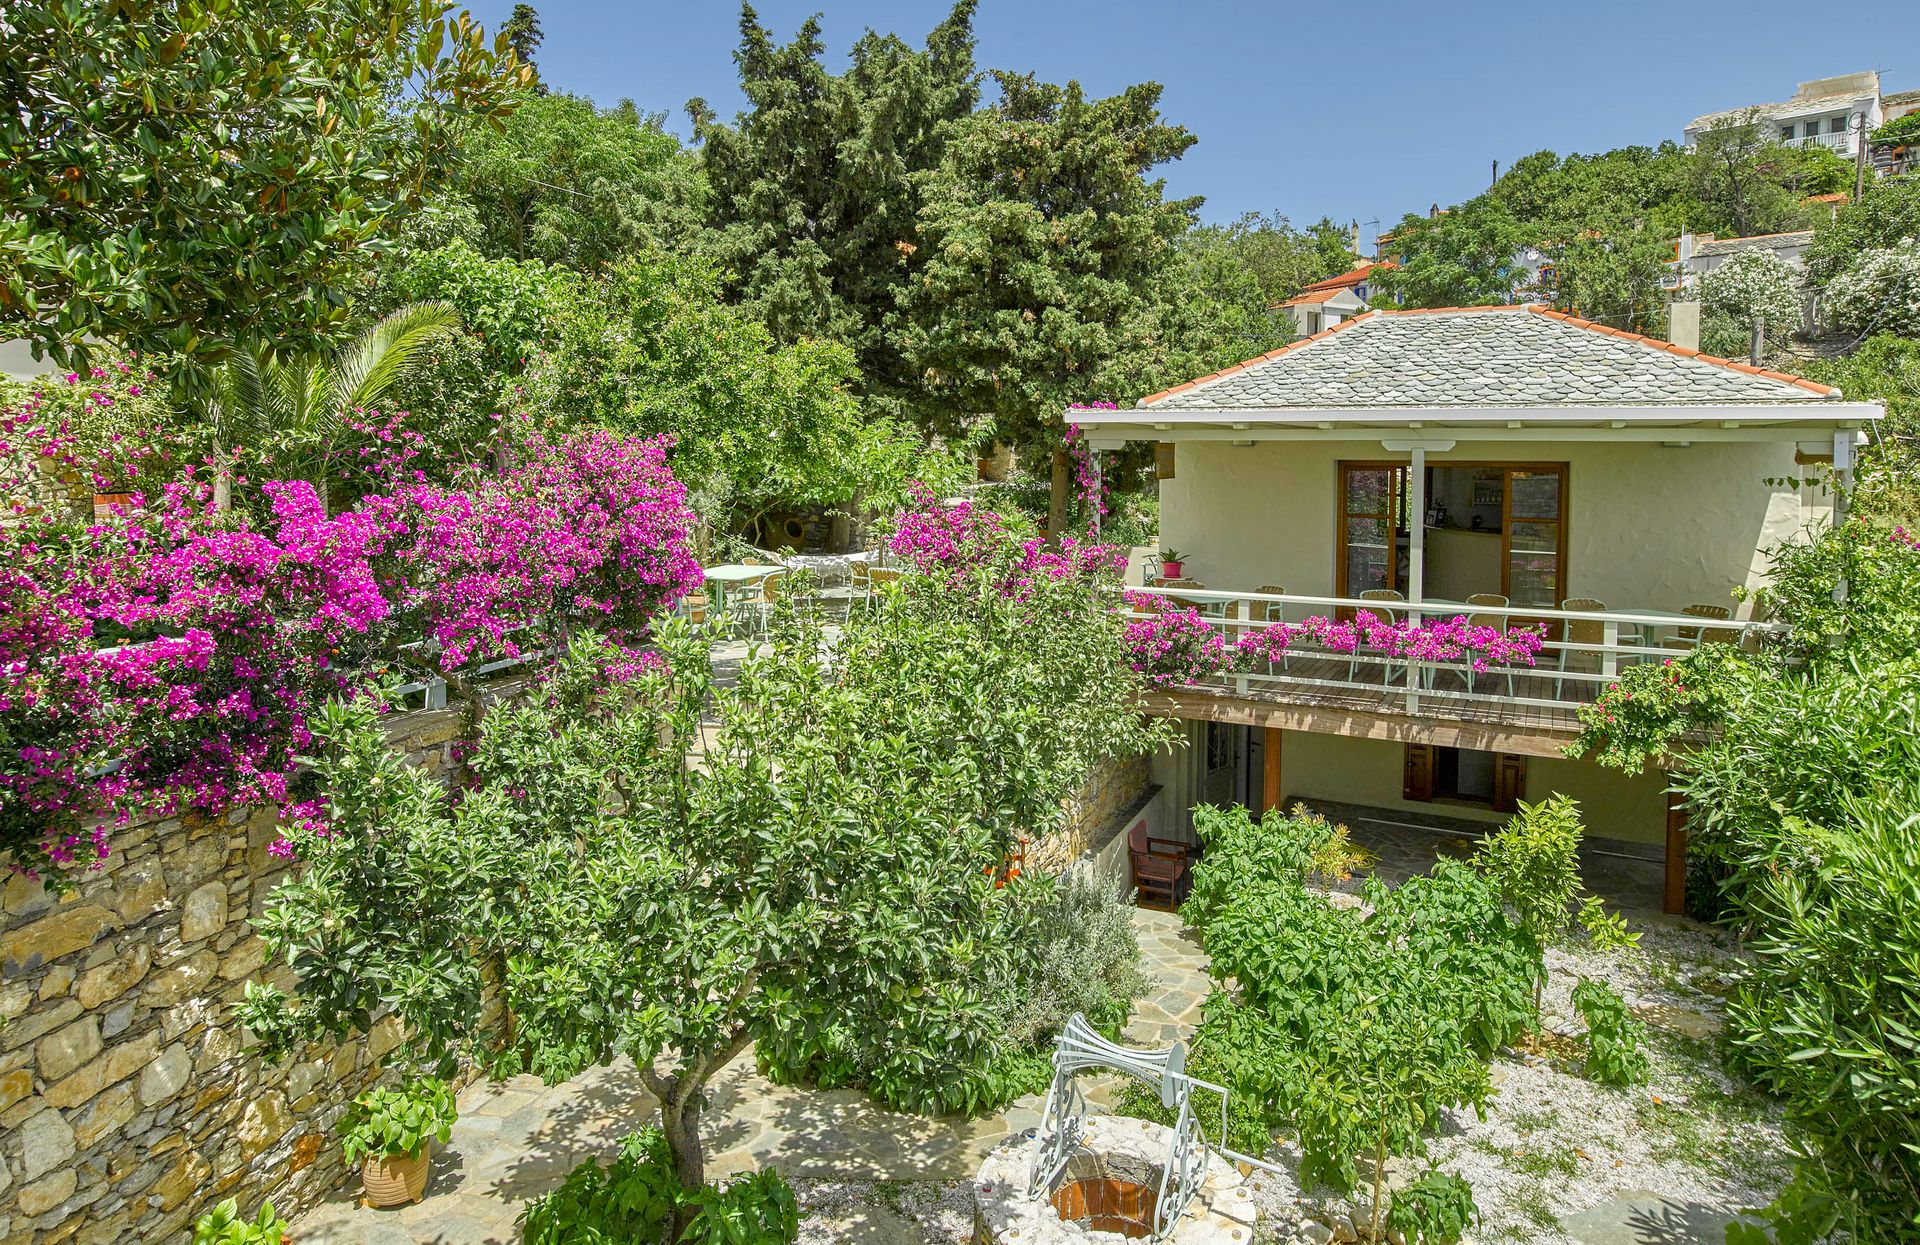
517	1138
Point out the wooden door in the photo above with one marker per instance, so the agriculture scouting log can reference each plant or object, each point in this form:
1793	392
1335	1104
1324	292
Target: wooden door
1533	535
1416	779
1368	557
1509	782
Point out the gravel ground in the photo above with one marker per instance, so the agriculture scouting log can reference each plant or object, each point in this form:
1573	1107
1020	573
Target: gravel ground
1552	1144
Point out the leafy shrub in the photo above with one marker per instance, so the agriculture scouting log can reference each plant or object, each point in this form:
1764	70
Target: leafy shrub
390	1123
1434	1210
1081	955
1828	1018
634	1199
1880	292
1354	1030
223	1226
1534	863
1614	1037
1750	284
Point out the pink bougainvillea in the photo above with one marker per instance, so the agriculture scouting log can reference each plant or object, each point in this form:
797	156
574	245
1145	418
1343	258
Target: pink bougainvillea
1180	645
960	539
170	658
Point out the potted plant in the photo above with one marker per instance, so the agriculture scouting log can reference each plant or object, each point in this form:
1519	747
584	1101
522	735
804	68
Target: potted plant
223	1226
387	1132
1170	560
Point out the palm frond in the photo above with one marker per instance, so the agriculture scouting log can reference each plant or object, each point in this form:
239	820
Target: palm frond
373	361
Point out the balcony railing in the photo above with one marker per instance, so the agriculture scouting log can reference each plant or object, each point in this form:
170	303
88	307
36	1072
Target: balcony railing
1842	141
1581	655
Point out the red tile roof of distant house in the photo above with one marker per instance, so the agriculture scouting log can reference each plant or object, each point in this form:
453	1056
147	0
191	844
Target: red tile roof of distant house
1838	196
1347	280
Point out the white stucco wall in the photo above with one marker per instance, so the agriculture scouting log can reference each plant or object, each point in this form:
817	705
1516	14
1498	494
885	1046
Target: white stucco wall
1648	526
1369	772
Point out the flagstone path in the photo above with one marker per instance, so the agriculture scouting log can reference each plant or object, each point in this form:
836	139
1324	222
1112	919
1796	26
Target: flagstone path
517	1138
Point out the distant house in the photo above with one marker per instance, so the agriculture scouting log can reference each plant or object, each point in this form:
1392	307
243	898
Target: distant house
1326	303
1825	112
1700	253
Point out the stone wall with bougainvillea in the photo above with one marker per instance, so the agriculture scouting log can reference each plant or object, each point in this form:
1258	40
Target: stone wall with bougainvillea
129	1103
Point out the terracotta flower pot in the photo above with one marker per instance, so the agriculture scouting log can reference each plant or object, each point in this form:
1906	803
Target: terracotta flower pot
103	503
395	1179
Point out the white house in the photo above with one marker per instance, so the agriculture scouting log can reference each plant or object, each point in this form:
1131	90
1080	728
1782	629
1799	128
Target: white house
1515	464
1826	112
1327	303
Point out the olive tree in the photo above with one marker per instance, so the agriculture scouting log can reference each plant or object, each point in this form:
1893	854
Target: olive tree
657	865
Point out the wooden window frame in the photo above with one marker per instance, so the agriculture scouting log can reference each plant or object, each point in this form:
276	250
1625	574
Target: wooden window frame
1506	468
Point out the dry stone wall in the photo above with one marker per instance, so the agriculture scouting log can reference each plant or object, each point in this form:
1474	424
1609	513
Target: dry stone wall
129	1102
1108	793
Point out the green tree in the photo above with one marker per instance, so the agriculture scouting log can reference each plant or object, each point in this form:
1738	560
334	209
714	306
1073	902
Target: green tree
1756	183
815	192
1045	243
523	34
297	413
827	864
185	177
1279	259
652	348
571	184
1886	214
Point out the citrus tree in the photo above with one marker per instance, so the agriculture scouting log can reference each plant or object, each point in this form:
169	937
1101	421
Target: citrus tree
811	857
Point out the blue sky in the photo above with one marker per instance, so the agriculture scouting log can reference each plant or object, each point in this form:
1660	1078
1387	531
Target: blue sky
1354	111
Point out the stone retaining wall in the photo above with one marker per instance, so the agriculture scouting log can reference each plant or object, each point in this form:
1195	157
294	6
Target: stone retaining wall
127	1103
1112	789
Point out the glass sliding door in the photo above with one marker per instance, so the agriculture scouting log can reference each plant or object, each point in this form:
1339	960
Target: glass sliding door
1535	535
1372	496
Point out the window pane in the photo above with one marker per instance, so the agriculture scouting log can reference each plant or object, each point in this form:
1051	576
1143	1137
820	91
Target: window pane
1810	128
1836	125
1533	578
1531	537
1367	489
1786	131
1369	554
1536	494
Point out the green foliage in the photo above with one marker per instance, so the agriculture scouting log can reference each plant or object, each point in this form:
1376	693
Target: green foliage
1886	367
1436	1209
394	1123
632	1200
1354	1030
1829	1018
1605	222
652	349
821	885
1904	129
1044	241
1081	956
507	304
1614	1037
312	417
1879	292
570	184
1645	715
1750	285
816	195
1533	862
1279	259
111	225
223	1226
1888	212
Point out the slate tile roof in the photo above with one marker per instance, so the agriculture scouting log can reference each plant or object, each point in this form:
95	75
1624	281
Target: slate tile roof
1756	242
1523	356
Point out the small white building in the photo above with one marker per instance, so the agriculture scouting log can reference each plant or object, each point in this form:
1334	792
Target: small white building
1326	303
1826	112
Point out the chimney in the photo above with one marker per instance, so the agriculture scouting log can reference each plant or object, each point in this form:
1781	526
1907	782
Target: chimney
1683	324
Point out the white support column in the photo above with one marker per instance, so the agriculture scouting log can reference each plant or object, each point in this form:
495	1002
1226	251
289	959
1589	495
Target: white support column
1417	526
1099	487
1842	473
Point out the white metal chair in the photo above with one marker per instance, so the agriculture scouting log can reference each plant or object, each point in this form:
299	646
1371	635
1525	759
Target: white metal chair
1392	616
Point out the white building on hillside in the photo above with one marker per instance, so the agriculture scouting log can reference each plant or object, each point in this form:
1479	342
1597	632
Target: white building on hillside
1825	112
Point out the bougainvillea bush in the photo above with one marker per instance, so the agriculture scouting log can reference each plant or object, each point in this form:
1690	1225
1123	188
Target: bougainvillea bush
169	658
1172	644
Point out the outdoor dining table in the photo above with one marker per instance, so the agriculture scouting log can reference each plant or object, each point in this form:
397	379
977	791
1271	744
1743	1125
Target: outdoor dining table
1642	629
730	575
